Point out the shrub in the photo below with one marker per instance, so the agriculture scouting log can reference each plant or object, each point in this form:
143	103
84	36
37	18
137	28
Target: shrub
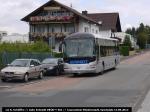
124	50
127	41
38	46
58	55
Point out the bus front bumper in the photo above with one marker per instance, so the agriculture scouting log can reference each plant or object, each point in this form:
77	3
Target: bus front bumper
69	71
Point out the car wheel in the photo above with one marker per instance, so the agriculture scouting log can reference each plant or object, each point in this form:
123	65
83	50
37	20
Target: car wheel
44	72
75	74
3	80
57	72
26	78
41	75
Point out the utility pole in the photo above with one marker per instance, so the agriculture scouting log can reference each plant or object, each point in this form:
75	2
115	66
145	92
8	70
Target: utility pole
71	5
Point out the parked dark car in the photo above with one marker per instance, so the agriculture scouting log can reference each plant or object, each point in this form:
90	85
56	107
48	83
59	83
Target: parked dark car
53	66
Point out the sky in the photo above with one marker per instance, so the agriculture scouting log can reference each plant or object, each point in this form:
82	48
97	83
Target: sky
132	12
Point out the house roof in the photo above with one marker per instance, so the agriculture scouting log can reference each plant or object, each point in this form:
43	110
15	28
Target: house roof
35	12
108	20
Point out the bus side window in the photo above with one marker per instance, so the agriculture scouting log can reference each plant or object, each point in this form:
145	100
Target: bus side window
102	51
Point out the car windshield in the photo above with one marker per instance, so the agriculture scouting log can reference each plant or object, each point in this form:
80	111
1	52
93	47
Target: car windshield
79	48
50	61
20	63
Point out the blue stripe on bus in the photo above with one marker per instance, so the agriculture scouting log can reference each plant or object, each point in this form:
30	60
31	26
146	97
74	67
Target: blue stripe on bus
78	62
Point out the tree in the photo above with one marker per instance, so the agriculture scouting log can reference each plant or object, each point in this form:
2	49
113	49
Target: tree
142	34
131	31
141	40
127	41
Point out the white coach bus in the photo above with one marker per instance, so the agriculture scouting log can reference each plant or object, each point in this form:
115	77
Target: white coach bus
89	53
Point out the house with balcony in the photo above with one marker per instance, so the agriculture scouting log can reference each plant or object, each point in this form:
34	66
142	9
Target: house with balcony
53	21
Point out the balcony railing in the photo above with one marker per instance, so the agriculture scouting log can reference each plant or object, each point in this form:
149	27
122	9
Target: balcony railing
51	18
49	34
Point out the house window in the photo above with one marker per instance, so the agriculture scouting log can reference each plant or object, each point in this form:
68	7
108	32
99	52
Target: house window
53	29
69	28
96	31
92	30
86	29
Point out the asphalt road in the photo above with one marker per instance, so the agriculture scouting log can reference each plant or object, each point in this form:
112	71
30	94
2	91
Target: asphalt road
125	86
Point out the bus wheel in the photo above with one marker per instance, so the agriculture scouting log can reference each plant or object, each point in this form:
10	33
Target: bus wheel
115	65
102	72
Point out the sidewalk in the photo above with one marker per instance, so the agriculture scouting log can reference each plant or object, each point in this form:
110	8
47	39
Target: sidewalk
133	54
145	107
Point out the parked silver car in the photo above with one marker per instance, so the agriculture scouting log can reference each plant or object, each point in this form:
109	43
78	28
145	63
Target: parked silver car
22	69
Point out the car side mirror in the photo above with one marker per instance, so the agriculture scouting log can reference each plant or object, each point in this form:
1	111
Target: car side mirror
31	65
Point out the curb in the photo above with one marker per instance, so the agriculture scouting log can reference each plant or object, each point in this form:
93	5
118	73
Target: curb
123	58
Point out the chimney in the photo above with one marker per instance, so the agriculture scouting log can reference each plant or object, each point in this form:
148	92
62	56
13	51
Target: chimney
85	12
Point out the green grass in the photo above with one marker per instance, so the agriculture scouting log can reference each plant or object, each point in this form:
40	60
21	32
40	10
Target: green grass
25	47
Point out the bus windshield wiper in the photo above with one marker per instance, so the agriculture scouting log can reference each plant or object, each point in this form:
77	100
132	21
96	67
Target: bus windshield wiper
18	65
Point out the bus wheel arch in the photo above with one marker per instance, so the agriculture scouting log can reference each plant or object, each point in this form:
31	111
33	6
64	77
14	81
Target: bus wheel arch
103	65
115	62
103	68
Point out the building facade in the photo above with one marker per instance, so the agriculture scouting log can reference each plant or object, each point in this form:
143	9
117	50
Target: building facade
15	37
53	21
2	34
133	40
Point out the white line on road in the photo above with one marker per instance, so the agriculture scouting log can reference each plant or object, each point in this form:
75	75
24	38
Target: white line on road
5	86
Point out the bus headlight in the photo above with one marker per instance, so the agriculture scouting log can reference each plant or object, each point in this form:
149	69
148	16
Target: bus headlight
93	65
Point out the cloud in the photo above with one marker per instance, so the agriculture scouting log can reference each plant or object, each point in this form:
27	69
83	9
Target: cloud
131	12
13	11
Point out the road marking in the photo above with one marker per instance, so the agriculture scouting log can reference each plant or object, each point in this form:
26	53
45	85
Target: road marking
53	84
5	86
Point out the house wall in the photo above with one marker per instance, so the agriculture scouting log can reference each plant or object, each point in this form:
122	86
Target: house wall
85	26
49	28
106	33
16	37
3	33
122	36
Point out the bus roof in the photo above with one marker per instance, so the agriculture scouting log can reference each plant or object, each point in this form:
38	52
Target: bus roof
107	38
88	35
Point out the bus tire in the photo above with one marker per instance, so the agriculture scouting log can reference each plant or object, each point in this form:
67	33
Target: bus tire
115	65
102	71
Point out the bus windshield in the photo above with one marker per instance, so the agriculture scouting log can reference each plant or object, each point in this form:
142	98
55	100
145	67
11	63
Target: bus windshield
79	48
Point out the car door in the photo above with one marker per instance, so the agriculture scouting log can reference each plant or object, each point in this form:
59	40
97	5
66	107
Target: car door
37	67
32	69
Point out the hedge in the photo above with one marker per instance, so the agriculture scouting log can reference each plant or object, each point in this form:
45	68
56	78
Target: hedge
37	50
38	46
124	50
